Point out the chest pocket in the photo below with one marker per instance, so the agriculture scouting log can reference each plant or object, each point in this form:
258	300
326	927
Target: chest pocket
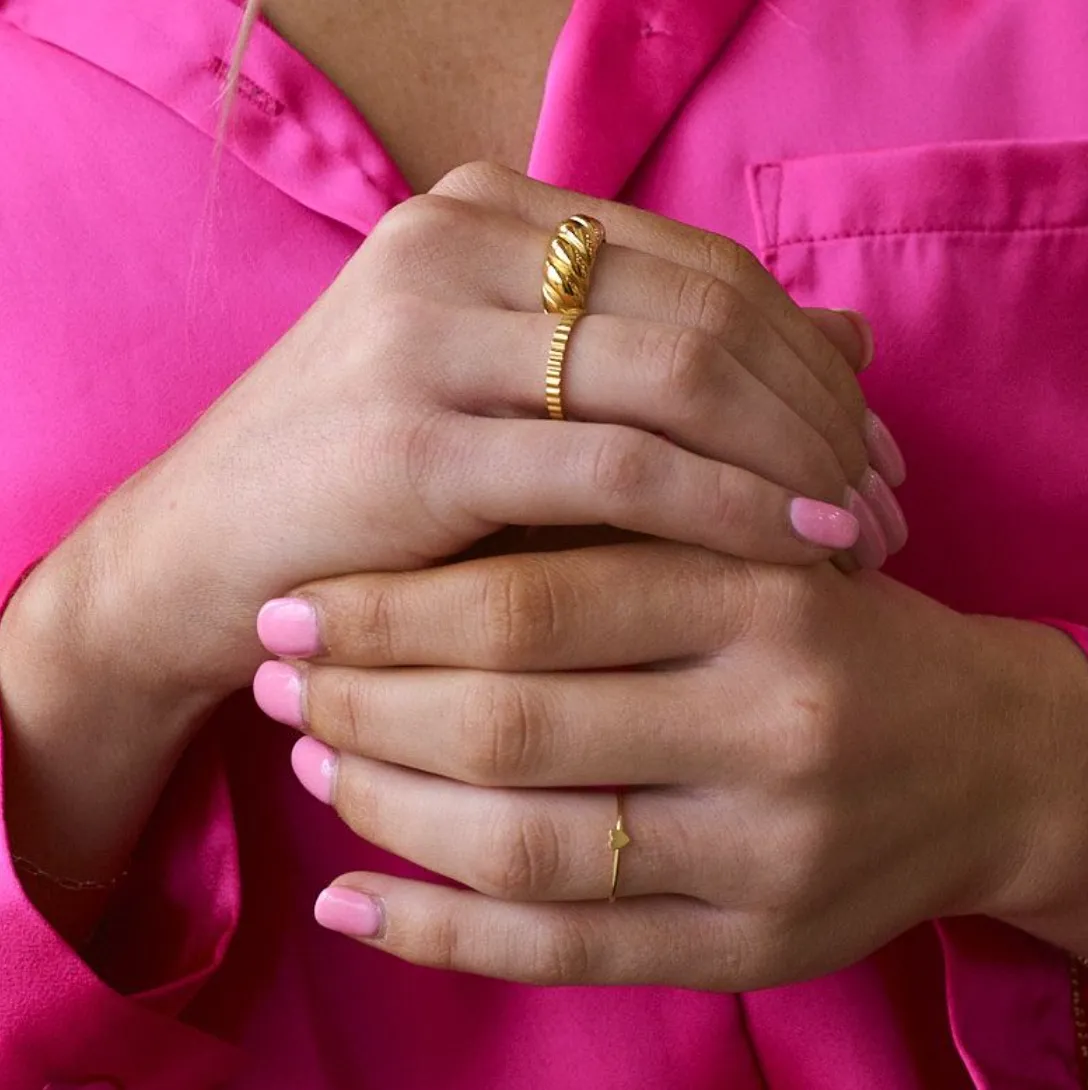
971	261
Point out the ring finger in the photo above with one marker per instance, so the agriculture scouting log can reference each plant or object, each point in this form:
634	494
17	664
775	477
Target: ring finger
672	380
520	845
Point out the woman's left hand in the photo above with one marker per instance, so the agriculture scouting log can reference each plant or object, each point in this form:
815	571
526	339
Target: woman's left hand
812	763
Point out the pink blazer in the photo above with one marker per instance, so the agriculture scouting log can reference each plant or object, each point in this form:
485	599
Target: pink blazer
923	161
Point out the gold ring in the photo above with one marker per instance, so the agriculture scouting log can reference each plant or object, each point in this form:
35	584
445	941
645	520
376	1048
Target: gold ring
569	264
557	355
617	841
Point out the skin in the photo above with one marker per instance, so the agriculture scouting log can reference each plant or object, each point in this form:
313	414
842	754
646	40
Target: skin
98	702
378	438
814	763
441	82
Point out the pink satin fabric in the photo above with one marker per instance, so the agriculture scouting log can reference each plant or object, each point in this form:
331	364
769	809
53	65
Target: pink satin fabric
921	161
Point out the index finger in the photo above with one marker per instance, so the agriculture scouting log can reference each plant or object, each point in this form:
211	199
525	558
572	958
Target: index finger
596	608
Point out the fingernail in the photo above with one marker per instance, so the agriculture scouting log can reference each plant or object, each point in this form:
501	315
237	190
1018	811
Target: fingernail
823	524
288	626
871	550
881	499
277	688
315	766
865	335
884	451
350	912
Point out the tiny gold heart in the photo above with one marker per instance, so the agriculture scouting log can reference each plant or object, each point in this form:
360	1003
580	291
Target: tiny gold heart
617	839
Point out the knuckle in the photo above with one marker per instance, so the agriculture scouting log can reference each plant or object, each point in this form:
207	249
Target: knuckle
416	228
816	468
731	503
421	448
751	955
368	626
477	181
727	260
807	747
619	470
833	424
805	859
722	312
434	942
339	712
560	953
709	304
733	964
685	366
524	858
500	744
519	614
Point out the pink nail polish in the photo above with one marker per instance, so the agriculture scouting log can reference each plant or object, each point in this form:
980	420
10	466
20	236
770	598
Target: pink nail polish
350	912
884	451
315	766
865	333
277	688
871	550
288	626
823	524
881	499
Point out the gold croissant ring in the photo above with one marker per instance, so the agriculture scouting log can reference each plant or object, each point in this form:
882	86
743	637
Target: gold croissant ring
568	265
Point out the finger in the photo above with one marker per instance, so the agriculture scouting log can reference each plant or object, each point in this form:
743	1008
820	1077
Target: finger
580	609
505	270
646	940
510	730
720	258
559	473
669	380
848	331
518	845
631	284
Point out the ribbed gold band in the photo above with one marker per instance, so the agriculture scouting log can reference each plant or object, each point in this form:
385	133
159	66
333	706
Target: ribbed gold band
557	355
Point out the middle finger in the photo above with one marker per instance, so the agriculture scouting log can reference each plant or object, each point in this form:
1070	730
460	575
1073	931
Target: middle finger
512	730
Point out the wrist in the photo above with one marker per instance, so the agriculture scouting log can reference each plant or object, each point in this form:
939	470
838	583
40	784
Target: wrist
1039	705
75	648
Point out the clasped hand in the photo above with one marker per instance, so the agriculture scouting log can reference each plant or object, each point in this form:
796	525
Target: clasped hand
812	762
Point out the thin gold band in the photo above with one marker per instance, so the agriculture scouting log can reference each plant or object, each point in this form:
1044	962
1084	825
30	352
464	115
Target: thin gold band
617	841
557	355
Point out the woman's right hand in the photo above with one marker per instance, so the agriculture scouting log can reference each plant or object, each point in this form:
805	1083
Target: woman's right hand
401	420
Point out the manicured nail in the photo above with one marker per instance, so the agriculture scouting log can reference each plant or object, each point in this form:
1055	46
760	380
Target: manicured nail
884	451
277	688
288	626
823	524
871	550
315	766
350	912
865	335
881	499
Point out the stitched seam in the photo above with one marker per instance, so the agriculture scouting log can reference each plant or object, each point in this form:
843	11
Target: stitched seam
907	232
248	89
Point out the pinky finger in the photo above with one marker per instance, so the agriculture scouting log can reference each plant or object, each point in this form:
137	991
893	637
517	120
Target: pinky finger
671	941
